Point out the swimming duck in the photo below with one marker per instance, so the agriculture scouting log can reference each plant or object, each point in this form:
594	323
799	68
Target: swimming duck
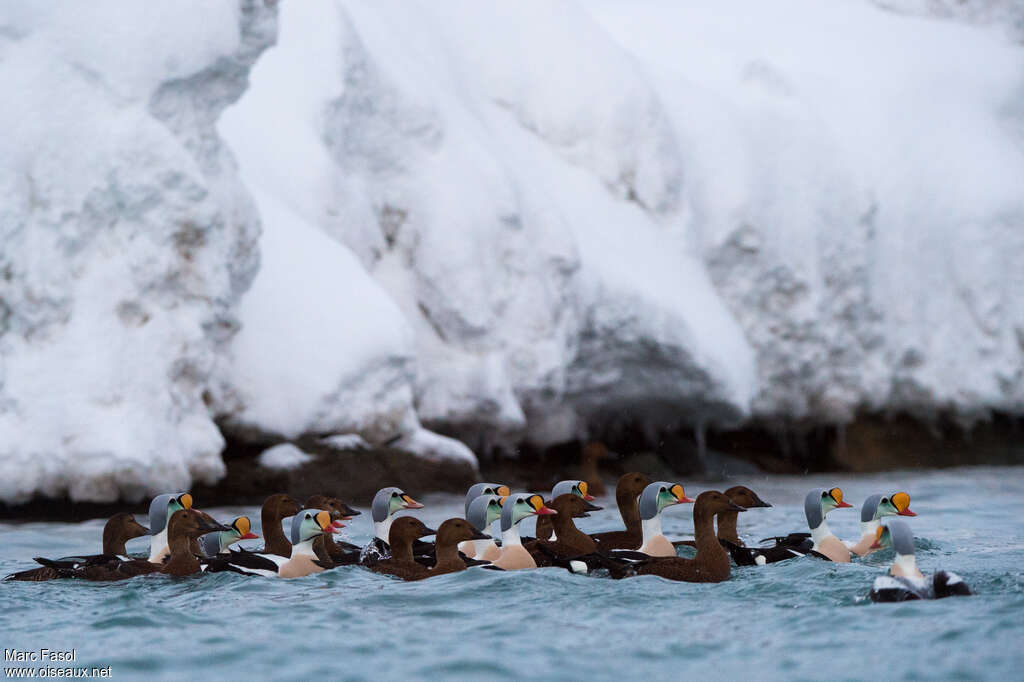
627	491
306	526
905	581
400	562
386	502
120	528
327	549
213	544
653	500
727	534
478	489
484	510
275	509
711	564
160	511
570	541
876	507
517	507
820	541
449	535
578	488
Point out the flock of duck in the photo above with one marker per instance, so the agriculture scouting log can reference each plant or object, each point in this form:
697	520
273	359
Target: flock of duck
186	541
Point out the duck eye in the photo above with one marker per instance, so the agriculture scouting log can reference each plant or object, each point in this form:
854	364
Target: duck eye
885	500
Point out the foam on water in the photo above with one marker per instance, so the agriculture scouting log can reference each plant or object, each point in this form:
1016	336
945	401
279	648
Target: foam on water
794	620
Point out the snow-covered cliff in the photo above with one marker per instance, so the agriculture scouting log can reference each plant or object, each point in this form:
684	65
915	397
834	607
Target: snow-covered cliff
127	240
522	220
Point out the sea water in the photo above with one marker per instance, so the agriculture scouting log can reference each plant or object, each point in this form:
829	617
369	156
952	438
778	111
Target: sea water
799	619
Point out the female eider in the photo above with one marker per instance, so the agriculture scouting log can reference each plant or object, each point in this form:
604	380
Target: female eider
386	503
876	507
905	581
627	493
401	563
116	532
711	564
276	508
518	507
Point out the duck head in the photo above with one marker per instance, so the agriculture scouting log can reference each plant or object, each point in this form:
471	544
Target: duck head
745	497
163	507
405	529
896	534
123	527
280	506
215	543
387	501
518	507
573	506
820	502
631	485
338	509
484	510
309	523
578	488
454	531
658	495
192	523
478	489
714	502
877	506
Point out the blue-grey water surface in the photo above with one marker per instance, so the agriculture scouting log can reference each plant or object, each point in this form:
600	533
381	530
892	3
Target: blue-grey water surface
800	619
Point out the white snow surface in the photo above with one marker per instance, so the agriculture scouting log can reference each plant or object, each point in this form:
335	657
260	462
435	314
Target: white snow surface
283	457
501	220
125	240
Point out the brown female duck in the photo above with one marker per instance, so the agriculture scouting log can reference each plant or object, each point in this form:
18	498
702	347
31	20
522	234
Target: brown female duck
401	564
570	541
120	528
627	490
449	535
276	508
711	565
727	534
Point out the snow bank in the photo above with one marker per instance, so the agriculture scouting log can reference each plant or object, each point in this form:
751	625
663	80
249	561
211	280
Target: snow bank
283	457
126	240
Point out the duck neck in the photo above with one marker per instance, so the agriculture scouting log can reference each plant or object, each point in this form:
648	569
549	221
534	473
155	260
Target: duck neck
869	527
629	511
568	534
510	537
182	561
704	538
157	544
113	544
727	527
304	548
402	550
651	528
905	565
382	529
821	532
274	540
447	554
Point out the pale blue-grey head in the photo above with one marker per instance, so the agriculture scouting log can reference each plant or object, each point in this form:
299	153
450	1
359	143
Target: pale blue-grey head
484	510
389	500
161	508
519	506
658	495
